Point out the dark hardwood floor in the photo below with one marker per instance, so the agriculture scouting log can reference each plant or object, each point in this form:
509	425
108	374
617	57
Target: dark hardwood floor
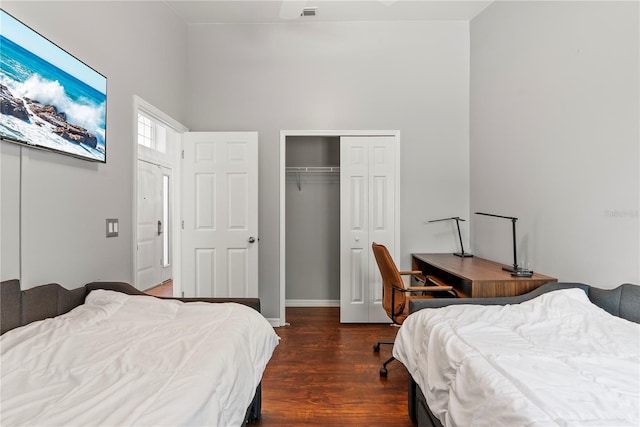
325	373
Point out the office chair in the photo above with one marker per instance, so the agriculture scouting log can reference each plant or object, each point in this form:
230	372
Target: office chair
394	293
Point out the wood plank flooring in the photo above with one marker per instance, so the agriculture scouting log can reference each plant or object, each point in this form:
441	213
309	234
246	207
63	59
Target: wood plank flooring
324	373
163	290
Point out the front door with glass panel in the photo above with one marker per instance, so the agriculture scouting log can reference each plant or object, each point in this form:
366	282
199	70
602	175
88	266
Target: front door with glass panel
153	239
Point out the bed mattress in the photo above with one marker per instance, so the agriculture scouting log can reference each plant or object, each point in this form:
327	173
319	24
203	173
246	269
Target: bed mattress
556	360
122	360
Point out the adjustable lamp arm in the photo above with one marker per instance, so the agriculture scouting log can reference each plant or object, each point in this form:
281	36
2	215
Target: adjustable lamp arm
515	271
457	219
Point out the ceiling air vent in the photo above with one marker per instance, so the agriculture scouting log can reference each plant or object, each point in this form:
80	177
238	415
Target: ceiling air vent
309	11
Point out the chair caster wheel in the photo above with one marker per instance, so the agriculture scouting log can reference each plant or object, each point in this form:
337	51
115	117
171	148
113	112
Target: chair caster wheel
376	348
383	372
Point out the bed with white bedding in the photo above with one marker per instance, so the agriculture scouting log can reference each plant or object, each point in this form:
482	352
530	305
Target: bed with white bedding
556	359
125	360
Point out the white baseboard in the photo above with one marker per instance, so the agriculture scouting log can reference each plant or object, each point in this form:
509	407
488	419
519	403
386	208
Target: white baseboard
312	303
275	322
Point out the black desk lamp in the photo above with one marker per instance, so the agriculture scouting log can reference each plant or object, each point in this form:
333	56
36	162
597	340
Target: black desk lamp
462	254
515	270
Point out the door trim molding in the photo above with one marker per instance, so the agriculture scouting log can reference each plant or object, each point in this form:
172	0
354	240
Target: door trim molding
283	163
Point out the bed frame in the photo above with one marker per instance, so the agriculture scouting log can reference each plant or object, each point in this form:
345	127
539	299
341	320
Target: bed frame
623	301
19	308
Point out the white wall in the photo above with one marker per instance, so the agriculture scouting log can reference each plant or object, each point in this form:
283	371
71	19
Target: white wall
555	137
409	76
141	48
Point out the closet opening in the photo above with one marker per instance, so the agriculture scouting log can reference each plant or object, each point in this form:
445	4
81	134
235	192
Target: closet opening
312	224
339	191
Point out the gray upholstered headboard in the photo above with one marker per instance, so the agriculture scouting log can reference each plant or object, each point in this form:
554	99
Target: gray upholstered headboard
623	301
23	307
18	308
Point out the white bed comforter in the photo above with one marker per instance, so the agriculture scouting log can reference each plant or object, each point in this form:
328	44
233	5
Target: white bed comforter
123	360
557	360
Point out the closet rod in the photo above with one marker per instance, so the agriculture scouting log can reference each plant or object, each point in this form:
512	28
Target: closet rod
310	169
318	169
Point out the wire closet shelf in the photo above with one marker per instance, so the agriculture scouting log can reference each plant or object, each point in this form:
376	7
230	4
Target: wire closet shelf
311	170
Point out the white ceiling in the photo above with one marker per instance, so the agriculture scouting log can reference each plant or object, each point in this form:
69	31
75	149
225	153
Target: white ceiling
270	11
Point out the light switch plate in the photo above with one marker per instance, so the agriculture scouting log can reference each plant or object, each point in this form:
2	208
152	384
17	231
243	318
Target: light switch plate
112	227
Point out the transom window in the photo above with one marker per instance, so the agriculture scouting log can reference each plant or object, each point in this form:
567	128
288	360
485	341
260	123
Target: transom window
151	134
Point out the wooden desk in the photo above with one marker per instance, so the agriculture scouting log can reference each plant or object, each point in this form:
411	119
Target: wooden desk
476	277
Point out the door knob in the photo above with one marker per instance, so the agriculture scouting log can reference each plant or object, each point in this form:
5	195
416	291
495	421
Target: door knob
252	239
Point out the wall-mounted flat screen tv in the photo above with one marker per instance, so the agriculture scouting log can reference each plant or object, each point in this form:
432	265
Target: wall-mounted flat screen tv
48	98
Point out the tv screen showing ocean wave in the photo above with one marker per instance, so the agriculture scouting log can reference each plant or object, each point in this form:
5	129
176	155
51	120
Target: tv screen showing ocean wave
48	98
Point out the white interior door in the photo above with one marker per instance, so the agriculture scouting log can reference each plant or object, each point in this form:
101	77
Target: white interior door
368	206
220	214
153	263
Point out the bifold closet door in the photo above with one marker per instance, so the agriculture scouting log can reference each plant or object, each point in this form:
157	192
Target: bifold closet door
367	214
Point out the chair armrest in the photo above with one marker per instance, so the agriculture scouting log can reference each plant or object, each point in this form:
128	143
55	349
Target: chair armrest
429	288
437	281
424	279
404	273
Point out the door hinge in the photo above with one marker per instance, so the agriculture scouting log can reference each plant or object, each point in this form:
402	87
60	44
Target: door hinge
182	154
183	224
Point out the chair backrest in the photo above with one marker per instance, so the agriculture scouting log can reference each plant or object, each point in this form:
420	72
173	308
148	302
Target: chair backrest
390	278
